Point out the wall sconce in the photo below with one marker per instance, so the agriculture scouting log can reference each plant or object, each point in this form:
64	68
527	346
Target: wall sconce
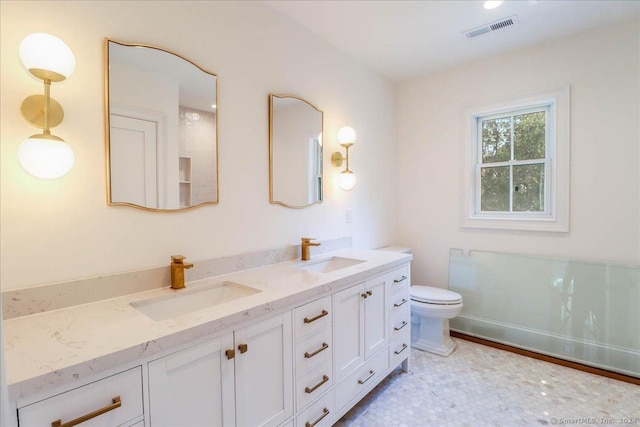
346	138
48	59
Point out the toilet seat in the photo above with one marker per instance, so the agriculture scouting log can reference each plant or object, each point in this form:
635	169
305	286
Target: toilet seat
437	296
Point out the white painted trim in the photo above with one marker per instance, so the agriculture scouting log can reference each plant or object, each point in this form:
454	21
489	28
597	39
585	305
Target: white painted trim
558	187
161	146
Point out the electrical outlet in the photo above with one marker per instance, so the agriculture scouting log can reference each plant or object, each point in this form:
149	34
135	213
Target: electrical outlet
349	216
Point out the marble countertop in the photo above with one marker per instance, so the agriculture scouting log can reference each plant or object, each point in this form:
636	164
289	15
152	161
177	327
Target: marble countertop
58	347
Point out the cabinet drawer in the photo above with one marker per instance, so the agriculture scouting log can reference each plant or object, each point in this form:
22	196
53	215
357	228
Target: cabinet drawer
314	350
125	387
400	348
312	384
320	414
399	301
362	379
400	322
399	278
312	317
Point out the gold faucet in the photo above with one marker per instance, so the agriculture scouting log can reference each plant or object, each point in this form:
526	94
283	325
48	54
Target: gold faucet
306	242
177	271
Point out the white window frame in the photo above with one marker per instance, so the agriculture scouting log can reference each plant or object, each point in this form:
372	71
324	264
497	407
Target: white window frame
555	217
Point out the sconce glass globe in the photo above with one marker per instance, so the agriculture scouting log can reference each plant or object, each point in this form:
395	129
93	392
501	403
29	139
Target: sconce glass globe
47	57
45	156
347	180
346	135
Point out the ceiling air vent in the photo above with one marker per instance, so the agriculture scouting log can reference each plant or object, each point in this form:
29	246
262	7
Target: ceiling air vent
498	25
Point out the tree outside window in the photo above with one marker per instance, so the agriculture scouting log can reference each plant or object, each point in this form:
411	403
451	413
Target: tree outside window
512	163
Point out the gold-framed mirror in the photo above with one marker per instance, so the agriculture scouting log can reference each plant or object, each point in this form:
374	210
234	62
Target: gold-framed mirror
161	115
295	152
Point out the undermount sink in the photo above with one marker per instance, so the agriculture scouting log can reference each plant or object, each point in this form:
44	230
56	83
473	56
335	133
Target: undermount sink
192	299
330	264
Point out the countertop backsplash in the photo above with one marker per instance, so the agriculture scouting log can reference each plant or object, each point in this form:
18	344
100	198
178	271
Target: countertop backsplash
39	299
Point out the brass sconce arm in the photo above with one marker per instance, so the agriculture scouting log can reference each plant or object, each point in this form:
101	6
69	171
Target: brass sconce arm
346	138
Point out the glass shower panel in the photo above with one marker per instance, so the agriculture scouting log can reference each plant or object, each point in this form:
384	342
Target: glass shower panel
586	312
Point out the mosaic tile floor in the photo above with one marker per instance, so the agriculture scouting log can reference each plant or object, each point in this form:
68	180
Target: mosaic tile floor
482	386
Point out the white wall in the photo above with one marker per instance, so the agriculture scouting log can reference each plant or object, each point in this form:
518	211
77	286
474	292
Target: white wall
602	69
63	229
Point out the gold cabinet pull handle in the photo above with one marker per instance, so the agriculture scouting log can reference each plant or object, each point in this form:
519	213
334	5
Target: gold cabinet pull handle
369	293
308	355
401	326
319	316
243	348
371	374
231	353
398	305
325	412
315	387
404	347
115	403
363	295
400	280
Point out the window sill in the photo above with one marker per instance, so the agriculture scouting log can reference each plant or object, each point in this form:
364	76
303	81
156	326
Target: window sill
517	224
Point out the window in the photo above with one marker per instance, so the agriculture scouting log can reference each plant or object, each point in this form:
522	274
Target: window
512	162
516	157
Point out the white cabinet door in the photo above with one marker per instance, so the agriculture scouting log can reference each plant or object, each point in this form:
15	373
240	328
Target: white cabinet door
348	342
375	315
194	387
264	372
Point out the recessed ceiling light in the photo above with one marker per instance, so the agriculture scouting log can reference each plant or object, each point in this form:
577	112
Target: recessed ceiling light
213	106
492	4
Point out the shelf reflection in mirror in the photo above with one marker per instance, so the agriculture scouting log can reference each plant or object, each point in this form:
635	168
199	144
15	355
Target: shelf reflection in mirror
162	139
295	152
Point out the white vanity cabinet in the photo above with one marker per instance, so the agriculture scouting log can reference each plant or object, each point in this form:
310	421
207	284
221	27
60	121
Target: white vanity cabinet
243	378
194	387
313	354
304	365
399	309
361	316
264	372
348	312
376	335
112	401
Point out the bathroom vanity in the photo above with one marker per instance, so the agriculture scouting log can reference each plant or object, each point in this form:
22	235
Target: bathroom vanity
296	343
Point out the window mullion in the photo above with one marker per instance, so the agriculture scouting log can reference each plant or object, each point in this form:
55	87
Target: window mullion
510	188
479	161
527	162
549	178
511	168
478	189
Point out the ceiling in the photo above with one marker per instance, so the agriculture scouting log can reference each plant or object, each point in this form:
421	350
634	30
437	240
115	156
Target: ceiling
406	39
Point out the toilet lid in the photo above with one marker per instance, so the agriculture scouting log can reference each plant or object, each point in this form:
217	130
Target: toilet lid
433	295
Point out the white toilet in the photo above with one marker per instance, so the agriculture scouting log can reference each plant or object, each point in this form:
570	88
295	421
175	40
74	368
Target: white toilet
431	309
